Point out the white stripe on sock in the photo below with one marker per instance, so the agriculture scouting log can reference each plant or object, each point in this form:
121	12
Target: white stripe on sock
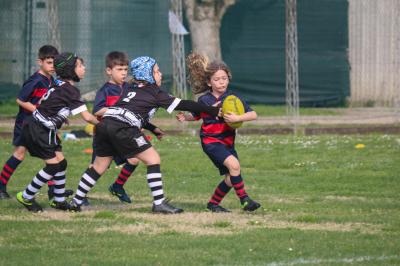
157	192
59	199
59	190
153	175
26	196
89	179
158	202
45	175
80	193
37	182
155	184
60	173
83	185
59	182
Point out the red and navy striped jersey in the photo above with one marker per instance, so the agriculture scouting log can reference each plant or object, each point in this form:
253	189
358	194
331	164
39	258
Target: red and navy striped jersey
32	91
108	95
215	129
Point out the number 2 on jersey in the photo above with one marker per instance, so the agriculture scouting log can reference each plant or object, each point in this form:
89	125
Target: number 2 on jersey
129	97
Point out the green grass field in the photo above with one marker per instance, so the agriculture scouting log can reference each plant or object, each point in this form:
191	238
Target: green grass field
324	203
9	108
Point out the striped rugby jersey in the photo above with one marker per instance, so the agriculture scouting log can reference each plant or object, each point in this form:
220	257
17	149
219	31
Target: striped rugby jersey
215	129
32	91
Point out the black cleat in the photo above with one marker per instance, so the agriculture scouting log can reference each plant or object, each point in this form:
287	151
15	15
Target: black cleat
64	205
68	193
120	193
74	207
50	193
85	201
216	208
31	205
3	193
249	204
166	208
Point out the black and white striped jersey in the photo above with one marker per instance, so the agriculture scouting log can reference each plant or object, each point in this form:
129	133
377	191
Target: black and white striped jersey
60	102
144	101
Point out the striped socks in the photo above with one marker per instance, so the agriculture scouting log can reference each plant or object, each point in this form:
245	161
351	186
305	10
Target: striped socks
155	183
125	173
59	182
238	185
40	179
87	182
219	193
8	169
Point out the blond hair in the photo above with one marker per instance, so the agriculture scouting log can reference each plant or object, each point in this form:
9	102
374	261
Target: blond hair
201	71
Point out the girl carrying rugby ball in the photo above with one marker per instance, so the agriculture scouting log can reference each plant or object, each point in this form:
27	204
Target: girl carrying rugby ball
217	136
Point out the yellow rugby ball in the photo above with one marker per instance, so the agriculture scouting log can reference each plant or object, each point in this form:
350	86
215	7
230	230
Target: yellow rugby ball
233	104
89	129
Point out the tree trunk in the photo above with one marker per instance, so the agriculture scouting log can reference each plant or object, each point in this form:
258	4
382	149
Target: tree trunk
204	18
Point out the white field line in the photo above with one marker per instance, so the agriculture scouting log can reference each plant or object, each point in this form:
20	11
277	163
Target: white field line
302	261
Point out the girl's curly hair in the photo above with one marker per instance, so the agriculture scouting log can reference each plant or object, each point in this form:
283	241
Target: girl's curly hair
201	71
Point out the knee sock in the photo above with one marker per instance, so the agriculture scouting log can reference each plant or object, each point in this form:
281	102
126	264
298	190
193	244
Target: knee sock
238	185
155	183
220	192
8	169
59	182
88	180
40	179
125	173
51	184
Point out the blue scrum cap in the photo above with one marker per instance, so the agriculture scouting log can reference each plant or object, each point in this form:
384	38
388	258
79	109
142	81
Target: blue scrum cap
142	68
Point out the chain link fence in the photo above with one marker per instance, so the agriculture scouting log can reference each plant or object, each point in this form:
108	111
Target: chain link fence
90	28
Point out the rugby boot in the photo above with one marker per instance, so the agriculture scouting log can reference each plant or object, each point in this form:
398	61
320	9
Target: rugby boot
3	193
50	193
31	205
166	208
74	207
120	193
64	205
216	208
249	204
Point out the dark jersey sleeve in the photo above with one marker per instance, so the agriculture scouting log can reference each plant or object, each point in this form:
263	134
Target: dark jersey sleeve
27	90
166	101
196	115
75	104
149	126
100	101
195	107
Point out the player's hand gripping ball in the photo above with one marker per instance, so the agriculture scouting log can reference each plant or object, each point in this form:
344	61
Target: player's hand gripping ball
233	104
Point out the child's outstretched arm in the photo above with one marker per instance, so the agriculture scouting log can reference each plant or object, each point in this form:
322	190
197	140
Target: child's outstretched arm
101	112
158	132
194	107
232	118
181	116
88	117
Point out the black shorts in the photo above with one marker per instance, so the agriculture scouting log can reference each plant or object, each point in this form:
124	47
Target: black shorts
17	136
39	140
118	160
116	138
218	152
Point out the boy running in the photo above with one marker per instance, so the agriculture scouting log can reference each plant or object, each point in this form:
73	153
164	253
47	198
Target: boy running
117	69
28	100
39	133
